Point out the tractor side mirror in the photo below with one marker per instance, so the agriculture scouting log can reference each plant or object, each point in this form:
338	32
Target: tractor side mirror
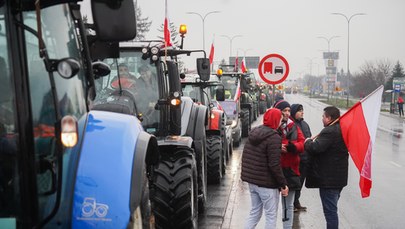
114	20
203	68
100	69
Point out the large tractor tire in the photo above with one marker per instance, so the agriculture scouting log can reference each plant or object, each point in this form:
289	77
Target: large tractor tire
175	199
262	107
245	122
236	142
214	159
255	111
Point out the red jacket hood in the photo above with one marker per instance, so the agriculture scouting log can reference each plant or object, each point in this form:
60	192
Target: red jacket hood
272	118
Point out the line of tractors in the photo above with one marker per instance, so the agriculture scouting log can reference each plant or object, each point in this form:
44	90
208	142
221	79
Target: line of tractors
99	132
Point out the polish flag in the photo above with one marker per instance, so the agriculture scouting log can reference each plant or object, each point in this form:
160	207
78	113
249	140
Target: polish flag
359	128
212	53
243	66
166	30
237	93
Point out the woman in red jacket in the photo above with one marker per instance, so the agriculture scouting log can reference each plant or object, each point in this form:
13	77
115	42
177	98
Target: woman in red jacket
292	145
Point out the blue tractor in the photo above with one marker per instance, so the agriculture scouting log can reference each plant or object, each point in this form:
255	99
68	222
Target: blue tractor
62	165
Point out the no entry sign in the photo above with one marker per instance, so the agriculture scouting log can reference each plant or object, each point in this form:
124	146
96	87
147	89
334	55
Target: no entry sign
273	69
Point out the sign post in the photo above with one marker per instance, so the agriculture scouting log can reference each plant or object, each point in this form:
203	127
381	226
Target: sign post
273	69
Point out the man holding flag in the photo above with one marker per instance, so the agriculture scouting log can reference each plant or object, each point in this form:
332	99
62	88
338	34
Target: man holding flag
355	132
328	165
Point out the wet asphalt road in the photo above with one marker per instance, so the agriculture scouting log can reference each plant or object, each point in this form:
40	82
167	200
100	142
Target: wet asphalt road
229	203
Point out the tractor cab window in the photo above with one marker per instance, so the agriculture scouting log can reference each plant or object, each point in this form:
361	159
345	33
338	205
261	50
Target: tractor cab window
139	78
60	38
231	85
192	91
9	177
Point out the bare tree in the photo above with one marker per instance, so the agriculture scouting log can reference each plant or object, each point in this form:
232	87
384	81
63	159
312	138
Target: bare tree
372	75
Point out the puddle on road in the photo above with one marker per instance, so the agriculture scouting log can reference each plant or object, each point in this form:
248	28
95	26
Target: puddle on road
397	128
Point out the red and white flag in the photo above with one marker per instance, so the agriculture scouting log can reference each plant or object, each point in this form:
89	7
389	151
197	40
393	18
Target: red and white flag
212	53
243	65
237	93
359	128
166	30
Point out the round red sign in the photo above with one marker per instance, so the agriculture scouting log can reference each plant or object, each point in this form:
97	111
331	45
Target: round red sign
273	69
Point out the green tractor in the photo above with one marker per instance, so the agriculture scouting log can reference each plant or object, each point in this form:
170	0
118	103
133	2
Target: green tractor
150	90
218	129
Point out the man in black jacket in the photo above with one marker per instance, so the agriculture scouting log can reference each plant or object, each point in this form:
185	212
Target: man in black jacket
297	114
328	165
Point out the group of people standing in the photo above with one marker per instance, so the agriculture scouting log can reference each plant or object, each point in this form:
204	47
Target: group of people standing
280	155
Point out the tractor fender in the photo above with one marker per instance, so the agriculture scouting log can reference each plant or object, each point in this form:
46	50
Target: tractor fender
196	121
176	141
215	120
108	153
146	154
187	113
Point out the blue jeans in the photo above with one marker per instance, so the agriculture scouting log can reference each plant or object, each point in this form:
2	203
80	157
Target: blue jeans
289	201
329	198
263	198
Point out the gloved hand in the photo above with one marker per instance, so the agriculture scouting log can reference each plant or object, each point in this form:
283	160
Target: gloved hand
291	147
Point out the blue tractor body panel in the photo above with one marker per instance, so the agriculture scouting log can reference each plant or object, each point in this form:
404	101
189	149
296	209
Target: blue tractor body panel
102	191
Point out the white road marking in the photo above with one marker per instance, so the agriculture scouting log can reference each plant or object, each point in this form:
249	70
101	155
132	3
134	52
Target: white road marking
397	165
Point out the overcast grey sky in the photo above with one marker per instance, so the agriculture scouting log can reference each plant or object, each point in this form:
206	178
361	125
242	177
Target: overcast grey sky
290	28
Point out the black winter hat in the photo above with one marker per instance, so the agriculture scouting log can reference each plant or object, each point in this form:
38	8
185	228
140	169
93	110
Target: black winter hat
295	108
282	104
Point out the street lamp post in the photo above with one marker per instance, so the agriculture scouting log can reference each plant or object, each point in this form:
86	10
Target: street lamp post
328	40
348	19
230	42
203	22
244	51
310	67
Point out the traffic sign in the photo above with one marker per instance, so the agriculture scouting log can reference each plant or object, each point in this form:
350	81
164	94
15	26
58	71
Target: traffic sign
397	87
273	69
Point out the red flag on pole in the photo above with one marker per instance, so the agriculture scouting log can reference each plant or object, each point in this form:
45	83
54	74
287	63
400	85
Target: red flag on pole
166	30
359	128
243	65
212	53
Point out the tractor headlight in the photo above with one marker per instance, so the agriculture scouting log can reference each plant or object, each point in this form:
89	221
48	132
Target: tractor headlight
175	100
69	132
154	50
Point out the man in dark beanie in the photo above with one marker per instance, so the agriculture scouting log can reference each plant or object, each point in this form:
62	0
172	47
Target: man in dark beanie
297	114
291	146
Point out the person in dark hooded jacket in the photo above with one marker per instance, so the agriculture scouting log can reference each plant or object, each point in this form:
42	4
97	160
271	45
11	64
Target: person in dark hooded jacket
261	168
297	114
